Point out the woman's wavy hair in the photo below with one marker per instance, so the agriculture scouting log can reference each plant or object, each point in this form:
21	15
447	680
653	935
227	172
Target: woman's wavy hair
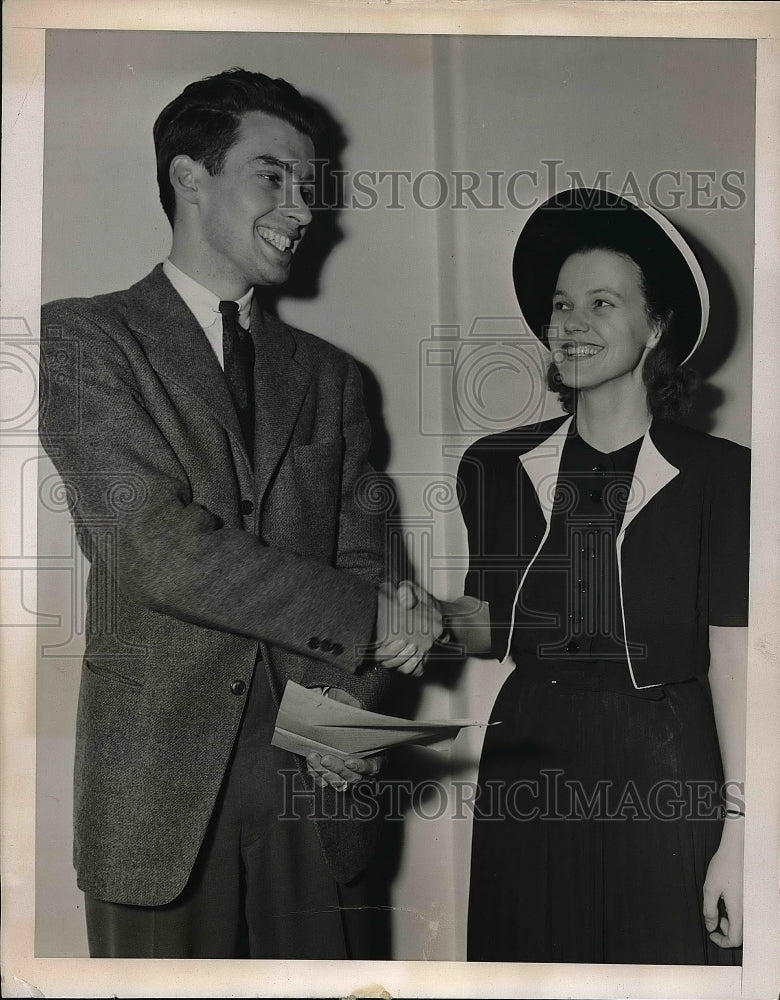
670	386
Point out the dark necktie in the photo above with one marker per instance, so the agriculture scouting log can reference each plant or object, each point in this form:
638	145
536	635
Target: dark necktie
239	359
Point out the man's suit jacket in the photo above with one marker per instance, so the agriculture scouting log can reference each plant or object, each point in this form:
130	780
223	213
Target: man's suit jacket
202	564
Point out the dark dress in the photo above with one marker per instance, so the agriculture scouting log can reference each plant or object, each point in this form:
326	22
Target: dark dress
599	803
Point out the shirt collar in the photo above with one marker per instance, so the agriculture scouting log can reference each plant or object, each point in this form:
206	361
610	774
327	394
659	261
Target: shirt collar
202	303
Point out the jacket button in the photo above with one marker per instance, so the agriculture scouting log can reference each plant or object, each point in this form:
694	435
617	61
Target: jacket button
326	645
313	643
573	647
247	507
238	687
337	649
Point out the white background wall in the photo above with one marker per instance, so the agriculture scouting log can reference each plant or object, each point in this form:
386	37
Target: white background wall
410	103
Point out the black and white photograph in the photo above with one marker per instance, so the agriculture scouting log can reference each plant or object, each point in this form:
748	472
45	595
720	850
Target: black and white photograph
390	445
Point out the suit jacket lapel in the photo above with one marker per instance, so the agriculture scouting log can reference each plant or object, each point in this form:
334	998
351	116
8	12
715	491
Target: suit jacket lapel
280	388
178	349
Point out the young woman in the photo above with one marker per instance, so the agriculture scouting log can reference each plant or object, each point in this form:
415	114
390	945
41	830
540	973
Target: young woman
611	548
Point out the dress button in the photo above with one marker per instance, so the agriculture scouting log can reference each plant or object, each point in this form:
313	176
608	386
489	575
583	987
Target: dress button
313	643
595	495
573	647
326	645
247	507
238	687
337	649
598	468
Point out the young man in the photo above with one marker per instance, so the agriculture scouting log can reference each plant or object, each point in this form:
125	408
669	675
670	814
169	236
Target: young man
211	455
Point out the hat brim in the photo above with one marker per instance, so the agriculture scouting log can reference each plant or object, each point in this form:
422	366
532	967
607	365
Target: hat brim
582	218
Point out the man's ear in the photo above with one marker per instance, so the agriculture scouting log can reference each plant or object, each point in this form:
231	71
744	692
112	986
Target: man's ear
184	174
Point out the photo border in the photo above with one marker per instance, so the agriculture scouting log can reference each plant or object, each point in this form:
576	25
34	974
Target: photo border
23	94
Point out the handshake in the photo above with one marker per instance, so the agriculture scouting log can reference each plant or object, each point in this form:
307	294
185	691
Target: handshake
409	621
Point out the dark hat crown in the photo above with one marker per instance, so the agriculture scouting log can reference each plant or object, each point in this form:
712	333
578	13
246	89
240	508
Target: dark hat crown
580	219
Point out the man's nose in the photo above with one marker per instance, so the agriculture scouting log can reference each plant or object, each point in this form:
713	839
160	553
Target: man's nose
295	204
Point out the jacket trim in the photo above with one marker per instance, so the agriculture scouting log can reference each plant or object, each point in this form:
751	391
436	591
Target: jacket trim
542	465
651	474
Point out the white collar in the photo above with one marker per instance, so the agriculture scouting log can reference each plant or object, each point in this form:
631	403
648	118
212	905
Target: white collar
651	473
202	303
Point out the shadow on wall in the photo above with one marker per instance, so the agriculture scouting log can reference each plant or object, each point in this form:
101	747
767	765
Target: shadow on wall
406	766
720	338
325	232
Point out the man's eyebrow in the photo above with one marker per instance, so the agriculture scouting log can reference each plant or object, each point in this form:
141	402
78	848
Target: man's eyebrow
285	165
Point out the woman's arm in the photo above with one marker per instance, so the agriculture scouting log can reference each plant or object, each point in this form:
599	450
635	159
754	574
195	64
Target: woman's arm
467	623
728	667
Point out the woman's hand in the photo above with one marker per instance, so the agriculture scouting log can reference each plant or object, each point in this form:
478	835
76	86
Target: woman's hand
727	676
724	881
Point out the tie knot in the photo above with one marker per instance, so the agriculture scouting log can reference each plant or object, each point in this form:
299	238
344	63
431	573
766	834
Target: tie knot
228	308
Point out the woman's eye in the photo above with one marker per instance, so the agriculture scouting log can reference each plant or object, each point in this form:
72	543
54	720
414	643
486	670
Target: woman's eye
307	194
274	179
559	306
602	302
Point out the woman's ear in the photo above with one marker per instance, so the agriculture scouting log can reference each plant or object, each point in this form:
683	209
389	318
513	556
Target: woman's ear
655	337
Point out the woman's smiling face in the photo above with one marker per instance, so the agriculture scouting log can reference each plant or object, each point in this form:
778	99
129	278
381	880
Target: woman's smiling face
600	330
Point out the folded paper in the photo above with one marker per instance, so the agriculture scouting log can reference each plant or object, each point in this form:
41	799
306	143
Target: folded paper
310	721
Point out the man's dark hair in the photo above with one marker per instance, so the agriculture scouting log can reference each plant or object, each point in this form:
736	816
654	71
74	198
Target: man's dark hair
205	119
670	386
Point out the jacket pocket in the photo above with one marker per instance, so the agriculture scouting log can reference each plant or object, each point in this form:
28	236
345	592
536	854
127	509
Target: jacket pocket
107	673
318	453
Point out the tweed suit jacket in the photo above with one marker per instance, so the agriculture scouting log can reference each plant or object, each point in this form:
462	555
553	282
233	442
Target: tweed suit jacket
202	564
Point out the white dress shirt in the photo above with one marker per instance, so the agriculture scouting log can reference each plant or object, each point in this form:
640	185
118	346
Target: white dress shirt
204	305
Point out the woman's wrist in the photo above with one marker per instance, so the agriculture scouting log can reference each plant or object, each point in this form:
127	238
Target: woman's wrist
733	830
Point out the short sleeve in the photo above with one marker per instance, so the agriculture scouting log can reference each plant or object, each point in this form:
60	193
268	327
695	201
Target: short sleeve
729	539
469	498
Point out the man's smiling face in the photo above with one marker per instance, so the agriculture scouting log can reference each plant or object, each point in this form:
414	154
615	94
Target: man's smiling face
254	212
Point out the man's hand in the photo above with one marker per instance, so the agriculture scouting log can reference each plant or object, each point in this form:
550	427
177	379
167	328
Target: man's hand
336	771
341	773
407	625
